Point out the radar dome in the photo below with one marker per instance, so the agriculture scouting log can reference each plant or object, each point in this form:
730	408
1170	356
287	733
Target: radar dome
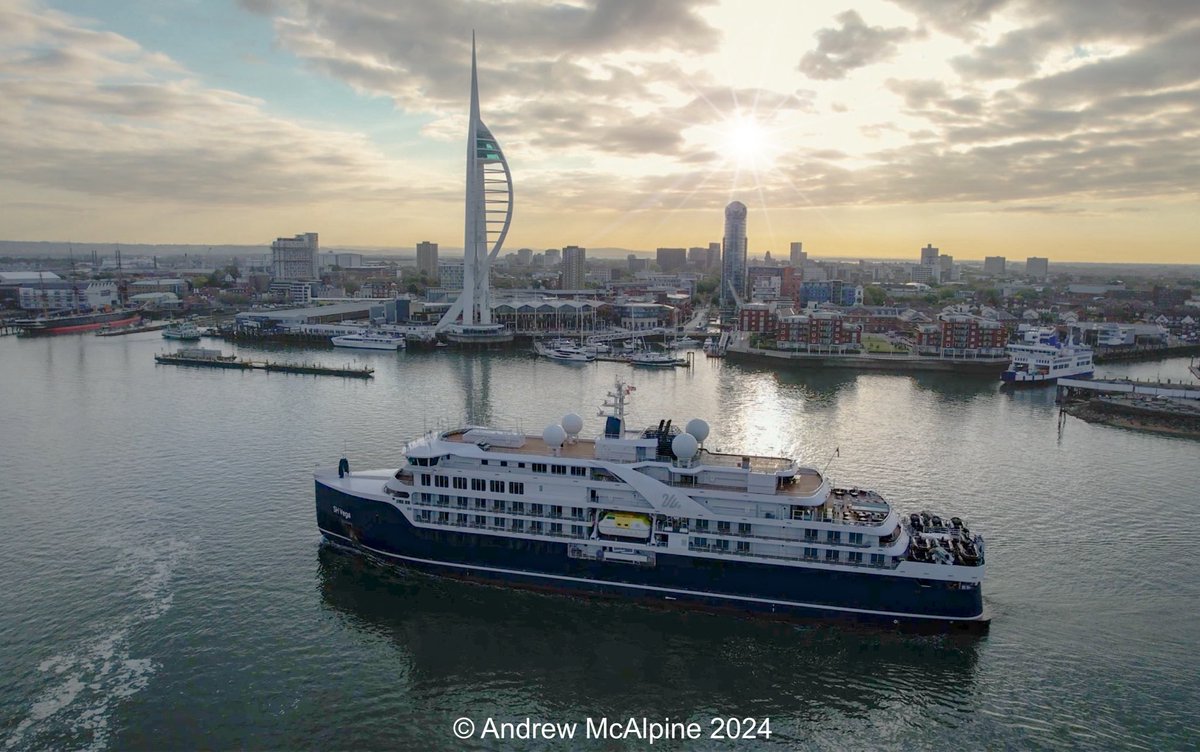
697	428
554	436
684	446
572	424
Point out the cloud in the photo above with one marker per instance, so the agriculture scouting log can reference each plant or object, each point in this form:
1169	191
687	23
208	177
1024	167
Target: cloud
854	45
90	112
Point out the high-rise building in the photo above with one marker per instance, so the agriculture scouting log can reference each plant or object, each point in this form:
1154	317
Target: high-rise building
524	256
489	205
797	257
697	256
993	265
949	270
636	264
929	255
295	258
733	258
1037	267
671	259
574	271
553	257
714	257
427	258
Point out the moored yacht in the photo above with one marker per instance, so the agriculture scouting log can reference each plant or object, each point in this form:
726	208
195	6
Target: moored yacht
652	514
370	340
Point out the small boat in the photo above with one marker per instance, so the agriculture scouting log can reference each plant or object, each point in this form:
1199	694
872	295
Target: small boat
183	330
687	342
370	340
651	359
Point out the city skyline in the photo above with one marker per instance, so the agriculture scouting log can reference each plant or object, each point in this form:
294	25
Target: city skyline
864	129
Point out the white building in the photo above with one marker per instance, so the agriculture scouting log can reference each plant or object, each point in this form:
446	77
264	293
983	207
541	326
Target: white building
62	294
295	258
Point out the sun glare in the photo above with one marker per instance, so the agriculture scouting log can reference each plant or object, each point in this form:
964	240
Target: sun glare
746	141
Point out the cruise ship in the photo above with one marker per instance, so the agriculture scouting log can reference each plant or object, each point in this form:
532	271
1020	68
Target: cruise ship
651	514
1039	358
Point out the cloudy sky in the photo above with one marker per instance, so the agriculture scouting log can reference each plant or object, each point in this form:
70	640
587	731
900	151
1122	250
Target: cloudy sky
1061	128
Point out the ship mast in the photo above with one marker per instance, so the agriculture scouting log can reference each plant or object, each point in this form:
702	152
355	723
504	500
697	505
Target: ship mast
615	402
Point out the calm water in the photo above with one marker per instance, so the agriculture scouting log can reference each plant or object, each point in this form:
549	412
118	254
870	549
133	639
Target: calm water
164	586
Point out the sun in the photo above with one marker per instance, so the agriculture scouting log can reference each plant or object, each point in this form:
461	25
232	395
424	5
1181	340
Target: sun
746	142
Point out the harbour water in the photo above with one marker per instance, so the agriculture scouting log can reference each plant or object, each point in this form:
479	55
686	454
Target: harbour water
164	586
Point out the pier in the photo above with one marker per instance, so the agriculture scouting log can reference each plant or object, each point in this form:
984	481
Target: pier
1161	407
209	360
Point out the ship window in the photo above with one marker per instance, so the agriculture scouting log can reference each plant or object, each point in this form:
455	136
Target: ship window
558	469
485	462
701	524
721	544
539	467
723	528
556	511
480	520
877	560
496	486
498	505
498	522
701	542
462	519
810	553
831	555
743	547
556	528
518	507
535	527
856	538
855	557
521	465
441	481
516	488
578	470
518	524
503	463
810	534
462	501
743	528
481	503
443	516
577	531
425	479
460	483
478	484
833	536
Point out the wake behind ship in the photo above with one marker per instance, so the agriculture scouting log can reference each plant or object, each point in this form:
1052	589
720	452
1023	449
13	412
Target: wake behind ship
653	515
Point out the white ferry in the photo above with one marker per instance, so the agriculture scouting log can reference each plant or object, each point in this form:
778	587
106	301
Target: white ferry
653	515
371	340
1039	358
183	330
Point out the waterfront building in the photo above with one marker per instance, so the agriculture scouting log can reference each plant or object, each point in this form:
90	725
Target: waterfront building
994	266
295	258
823	331
671	259
962	335
427	259
58	294
489	208
641	316
1037	268
759	318
175	285
733	258
574	272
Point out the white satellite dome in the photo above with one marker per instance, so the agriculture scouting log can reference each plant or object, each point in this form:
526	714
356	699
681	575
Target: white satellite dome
684	446
697	428
554	436
572	424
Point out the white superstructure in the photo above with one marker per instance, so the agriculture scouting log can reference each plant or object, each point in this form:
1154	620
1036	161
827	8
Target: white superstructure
1040	358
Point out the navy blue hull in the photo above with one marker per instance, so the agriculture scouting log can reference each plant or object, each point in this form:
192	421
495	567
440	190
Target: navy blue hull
781	591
